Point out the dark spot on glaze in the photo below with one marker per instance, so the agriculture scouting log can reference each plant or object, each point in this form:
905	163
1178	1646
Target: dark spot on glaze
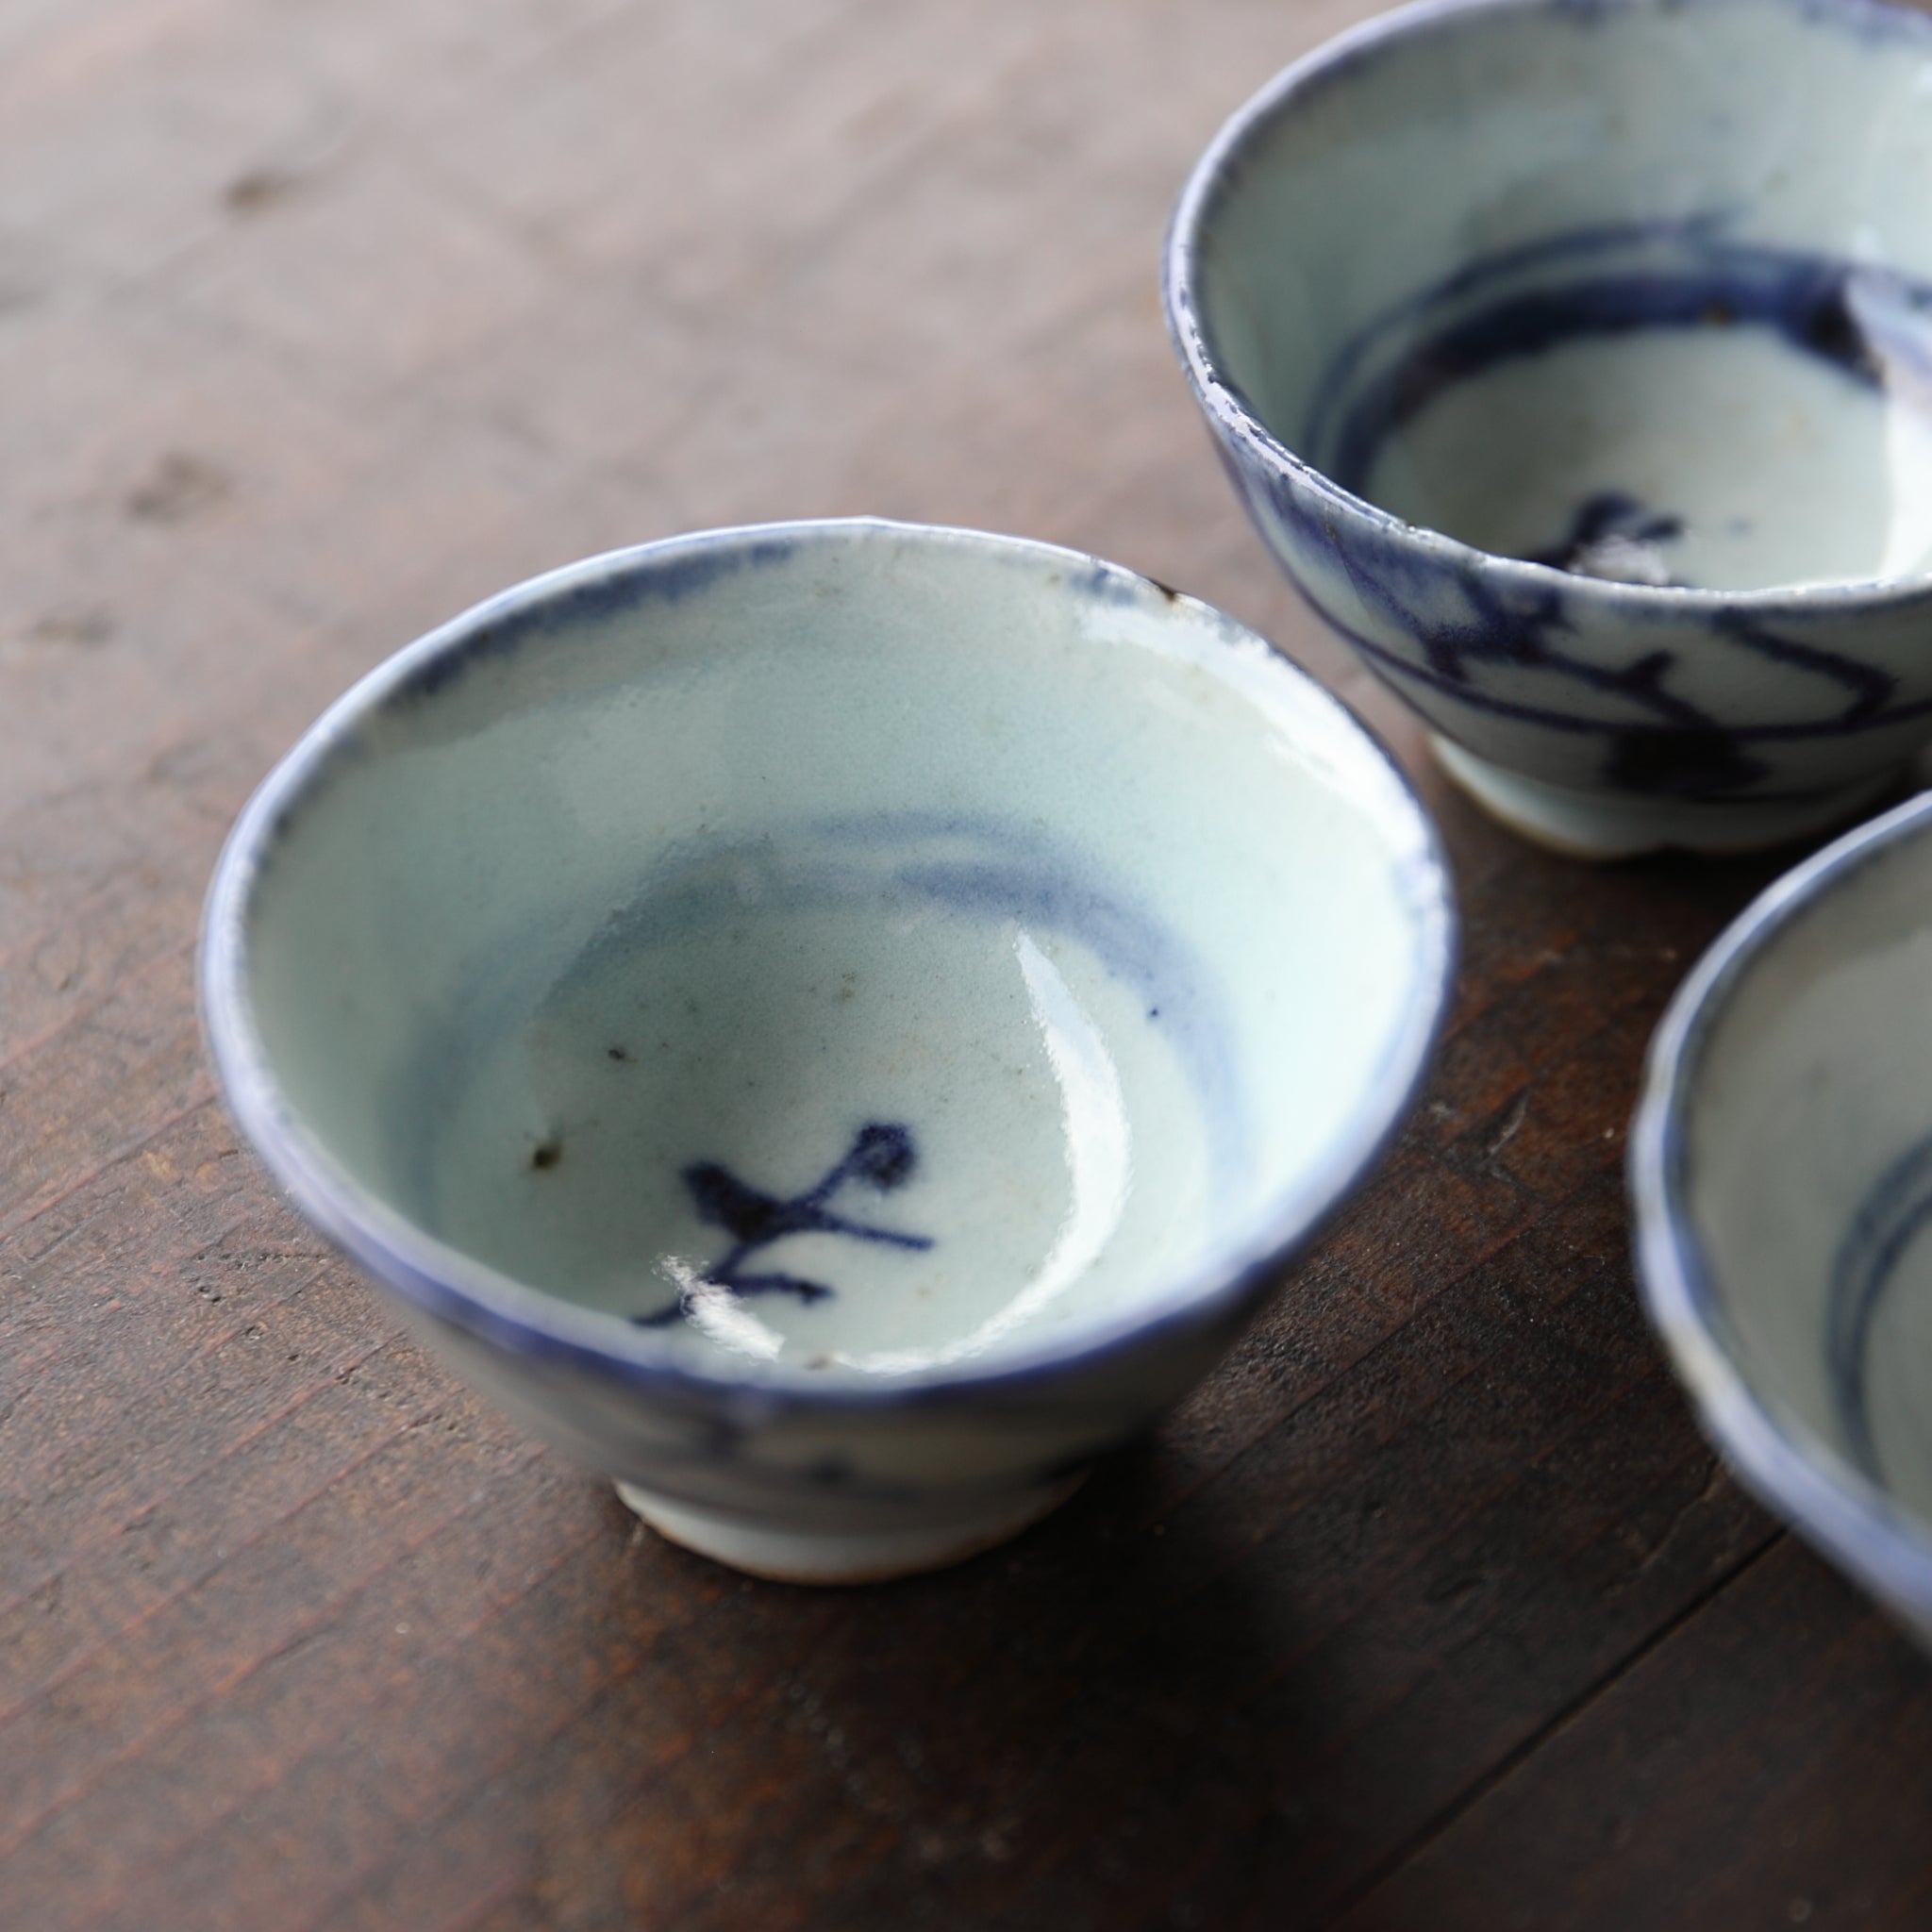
1167	590
546	1153
1827	329
617	1053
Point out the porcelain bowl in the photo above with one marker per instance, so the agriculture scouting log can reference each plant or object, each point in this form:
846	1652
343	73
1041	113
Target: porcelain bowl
1573	358
1781	1170
834	1025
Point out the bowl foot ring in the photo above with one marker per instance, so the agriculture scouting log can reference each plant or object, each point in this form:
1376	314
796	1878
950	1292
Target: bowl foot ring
784	1555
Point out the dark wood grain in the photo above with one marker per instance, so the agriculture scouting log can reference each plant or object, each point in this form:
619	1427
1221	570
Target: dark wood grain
1429	1609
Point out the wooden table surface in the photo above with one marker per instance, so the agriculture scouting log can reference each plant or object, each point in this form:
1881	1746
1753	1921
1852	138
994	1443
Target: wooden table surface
320	319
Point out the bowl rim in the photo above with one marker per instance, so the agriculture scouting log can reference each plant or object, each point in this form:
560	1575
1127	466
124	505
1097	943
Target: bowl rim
1782	1458
1225	405
443	1282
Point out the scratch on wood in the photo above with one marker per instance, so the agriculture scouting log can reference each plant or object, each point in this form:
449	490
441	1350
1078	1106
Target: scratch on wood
1715	1481
47	1201
1518	1114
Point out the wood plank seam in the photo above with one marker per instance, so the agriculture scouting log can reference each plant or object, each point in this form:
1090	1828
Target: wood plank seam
74	1793
1553	1728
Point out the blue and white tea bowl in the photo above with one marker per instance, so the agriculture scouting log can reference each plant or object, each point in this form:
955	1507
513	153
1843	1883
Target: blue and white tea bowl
1781	1172
834	1025
1575	359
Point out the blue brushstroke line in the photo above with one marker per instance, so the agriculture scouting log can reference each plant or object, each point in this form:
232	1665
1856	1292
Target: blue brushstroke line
1629	683
1824	307
1684	753
882	1156
1401	319
1889	1219
1871	688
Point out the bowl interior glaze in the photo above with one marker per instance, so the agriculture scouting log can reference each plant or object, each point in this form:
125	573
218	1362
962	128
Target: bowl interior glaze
1805	1166
843	951
1635	288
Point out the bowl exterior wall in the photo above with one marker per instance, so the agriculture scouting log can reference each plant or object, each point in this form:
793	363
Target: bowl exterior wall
868	1469
1580	684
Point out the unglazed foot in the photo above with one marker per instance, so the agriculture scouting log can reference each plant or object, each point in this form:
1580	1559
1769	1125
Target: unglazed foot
786	1554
